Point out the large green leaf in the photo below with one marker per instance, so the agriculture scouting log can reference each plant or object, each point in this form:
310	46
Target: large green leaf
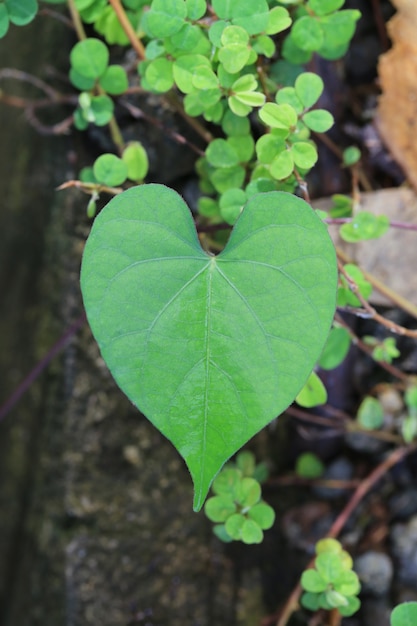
210	348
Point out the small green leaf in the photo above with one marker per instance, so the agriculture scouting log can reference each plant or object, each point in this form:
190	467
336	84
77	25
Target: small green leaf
165	18
329	566
221	329
251	532
221	533
409	428
81	82
364	225
335	599
221	154
196	9
245	462
328	545
351	155
352	606
318	120
345	295
90	58
288	95
282	165
313	393
336	348
312	581
348	583
263	515
159	75
248	492
114	80
186	67
102	108
226	482
4	20
404	614
268	146
307	33
21	12
136	159
234	525
310	601
233	125
309	466
231	204
225	178
110	170
309	87
278	115
339	28
278	20
323	7
304	154
219	508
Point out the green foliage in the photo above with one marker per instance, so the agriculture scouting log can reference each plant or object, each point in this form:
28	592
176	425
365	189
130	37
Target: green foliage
331	584
409	424
18	12
404	614
385	350
309	466
370	413
336	348
166	306
364	225
237	503
313	393
109	170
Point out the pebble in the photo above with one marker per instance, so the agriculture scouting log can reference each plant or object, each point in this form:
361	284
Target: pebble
375	571
403	504
404	550
339	469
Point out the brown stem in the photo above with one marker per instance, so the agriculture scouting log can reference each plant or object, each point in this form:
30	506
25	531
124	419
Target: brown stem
137	45
394	371
76	20
392	224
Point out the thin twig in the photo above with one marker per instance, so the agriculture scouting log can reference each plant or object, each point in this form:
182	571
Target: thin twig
348	220
137	45
394	371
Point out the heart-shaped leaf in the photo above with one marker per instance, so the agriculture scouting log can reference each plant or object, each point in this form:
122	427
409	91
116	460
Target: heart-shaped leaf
210	348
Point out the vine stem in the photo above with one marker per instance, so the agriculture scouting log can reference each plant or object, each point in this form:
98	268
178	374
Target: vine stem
137	45
394	371
364	487
392	224
76	20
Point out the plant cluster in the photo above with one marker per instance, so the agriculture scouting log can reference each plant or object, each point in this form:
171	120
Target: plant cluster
236	72
331	583
237	506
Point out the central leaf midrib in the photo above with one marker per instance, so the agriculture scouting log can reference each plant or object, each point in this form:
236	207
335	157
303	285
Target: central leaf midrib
211	268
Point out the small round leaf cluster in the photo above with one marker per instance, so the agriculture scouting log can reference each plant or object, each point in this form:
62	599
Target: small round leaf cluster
331	584
237	506
91	73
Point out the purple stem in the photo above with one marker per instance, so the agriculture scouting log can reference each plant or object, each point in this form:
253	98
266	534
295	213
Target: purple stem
38	369
393	223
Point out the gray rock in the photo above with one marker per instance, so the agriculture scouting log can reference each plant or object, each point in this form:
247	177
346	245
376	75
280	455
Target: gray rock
340	469
375	571
403	504
404	549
